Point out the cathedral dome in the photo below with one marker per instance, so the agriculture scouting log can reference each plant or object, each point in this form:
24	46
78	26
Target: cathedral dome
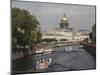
64	22
64	18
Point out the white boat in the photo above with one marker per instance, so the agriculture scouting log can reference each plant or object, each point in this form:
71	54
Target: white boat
81	46
68	49
43	64
48	50
44	50
38	52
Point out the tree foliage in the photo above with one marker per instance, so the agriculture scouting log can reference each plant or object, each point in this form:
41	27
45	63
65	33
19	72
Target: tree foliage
63	40
25	28
49	40
92	35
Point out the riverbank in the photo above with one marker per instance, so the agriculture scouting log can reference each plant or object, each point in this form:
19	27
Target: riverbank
91	48
21	54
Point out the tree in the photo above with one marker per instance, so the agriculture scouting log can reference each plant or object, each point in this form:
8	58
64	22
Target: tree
90	35
49	40
24	28
94	33
63	40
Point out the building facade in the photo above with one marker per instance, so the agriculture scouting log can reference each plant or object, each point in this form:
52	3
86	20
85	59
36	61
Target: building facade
65	33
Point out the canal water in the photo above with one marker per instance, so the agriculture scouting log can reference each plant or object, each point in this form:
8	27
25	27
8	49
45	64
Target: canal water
77	59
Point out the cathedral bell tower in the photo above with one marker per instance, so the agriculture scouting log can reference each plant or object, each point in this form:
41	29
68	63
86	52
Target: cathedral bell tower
64	22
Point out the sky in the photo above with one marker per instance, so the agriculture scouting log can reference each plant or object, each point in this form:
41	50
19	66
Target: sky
49	14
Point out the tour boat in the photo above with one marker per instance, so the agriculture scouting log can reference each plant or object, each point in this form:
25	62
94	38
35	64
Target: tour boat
48	51
43	64
44	50
68	49
39	52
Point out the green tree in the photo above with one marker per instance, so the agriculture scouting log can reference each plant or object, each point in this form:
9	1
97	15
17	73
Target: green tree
92	35
39	36
24	28
63	40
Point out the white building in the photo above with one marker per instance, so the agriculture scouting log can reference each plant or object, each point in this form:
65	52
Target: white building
59	34
79	36
65	33
68	35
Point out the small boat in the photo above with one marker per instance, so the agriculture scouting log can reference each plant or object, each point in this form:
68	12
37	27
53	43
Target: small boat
43	64
81	46
39	52
48	51
44	50
68	49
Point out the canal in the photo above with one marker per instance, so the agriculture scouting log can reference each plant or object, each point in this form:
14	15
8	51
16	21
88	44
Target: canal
77	59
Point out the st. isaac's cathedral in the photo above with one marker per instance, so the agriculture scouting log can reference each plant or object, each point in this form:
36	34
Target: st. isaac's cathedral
64	32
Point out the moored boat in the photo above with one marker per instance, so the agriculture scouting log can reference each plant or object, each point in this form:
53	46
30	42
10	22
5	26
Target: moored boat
68	49
43	64
39	52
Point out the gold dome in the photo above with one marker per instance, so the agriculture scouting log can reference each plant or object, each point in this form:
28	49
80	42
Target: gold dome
64	17
64	22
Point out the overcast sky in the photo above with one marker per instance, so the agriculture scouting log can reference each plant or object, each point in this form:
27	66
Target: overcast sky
50	14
